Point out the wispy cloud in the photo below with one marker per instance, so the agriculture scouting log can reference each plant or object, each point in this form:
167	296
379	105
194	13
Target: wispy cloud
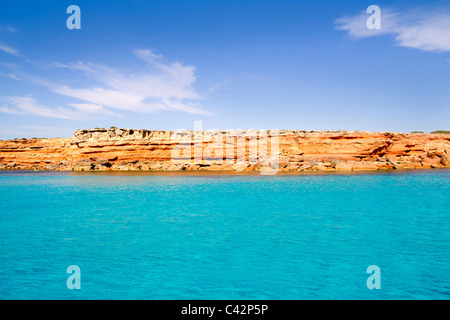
155	85
222	84
9	76
10	50
29	106
7	28
420	29
158	85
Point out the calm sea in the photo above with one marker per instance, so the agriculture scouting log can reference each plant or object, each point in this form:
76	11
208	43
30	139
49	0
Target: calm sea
225	237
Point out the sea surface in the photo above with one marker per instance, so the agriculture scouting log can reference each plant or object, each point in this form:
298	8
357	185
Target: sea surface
225	237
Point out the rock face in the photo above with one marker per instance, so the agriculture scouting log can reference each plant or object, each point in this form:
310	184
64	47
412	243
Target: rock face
286	150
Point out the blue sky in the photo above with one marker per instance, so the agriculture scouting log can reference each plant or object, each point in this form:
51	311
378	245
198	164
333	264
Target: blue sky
308	65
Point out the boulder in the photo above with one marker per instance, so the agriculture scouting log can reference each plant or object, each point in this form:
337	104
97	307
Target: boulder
155	166
83	165
405	165
84	161
239	167
333	163
292	167
365	166
344	166
431	154
319	167
103	162
445	161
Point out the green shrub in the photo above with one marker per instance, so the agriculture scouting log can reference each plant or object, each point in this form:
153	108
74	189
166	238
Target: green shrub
441	131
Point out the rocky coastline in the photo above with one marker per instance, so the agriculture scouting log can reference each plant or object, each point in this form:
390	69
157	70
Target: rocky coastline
296	150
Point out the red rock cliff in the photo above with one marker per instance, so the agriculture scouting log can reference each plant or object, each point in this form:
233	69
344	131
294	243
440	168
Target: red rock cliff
126	149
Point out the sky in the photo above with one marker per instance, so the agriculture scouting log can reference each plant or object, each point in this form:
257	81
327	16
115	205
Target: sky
161	65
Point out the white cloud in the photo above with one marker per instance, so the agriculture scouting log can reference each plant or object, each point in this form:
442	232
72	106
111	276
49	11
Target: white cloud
419	29
93	109
158	85
29	106
106	97
10	50
9	75
222	84
7	28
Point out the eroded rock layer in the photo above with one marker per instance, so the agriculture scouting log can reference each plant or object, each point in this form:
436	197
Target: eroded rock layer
285	150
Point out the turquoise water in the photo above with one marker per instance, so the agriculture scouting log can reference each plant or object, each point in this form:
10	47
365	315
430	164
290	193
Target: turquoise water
225	237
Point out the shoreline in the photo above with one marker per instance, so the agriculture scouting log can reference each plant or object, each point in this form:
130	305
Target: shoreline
194	173
106	150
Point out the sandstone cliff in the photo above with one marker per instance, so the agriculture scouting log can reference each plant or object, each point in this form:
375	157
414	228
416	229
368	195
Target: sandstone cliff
126	149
